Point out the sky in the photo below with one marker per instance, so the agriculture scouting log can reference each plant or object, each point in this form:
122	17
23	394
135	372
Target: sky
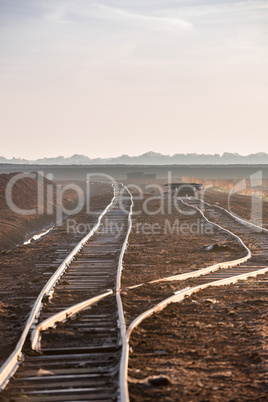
106	78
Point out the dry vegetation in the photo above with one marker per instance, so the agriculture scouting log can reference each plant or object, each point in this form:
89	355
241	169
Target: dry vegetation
237	186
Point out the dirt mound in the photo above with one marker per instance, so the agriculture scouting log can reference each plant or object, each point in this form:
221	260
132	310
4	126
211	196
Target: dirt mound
19	194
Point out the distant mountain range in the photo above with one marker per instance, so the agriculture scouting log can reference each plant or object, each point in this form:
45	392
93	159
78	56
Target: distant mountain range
149	158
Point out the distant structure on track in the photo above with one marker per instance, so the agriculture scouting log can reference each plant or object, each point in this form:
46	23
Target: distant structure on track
184	189
141	175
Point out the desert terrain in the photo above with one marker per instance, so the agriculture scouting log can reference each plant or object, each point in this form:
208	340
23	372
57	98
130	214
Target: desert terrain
210	346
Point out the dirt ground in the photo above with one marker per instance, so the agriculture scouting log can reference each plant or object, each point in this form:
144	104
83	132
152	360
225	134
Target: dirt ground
150	257
16	227
242	205
25	270
171	243
210	347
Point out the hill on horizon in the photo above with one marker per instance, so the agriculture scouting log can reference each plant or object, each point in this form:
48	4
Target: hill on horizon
148	158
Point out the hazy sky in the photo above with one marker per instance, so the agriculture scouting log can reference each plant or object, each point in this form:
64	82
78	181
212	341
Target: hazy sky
103	78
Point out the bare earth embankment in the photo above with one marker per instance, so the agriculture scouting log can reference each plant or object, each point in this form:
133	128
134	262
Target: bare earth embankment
25	209
241	205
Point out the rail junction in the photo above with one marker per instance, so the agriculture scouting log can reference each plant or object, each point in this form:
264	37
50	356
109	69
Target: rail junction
76	345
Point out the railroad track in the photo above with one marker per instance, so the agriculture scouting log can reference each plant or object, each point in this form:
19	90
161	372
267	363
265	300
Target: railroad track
74	351
79	347
254	236
252	264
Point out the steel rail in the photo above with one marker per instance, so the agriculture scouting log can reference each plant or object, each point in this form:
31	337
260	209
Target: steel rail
124	247
243	221
220	227
56	276
123	389
61	317
177	297
180	296
12	363
207	270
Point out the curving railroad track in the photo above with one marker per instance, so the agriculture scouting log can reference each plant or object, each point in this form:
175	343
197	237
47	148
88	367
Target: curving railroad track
252	264
79	347
74	349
